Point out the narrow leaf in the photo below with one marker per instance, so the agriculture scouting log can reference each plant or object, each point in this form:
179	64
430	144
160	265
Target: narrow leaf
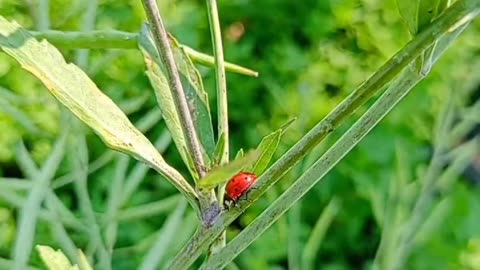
219	149
408	10
266	149
239	154
224	173
196	96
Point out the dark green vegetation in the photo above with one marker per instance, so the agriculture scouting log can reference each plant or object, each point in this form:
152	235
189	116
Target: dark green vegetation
310	56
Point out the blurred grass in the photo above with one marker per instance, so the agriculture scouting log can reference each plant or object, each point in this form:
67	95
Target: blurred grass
307	64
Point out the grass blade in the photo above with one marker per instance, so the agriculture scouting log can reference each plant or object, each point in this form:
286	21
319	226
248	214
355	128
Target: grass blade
318	233
155	255
30	209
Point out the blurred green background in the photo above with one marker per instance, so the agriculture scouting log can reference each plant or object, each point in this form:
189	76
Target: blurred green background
310	54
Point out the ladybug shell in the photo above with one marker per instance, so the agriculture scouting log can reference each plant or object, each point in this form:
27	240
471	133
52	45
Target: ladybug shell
239	184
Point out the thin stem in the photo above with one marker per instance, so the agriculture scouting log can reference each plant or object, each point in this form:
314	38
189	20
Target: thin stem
80	161
43	15
98	39
209	61
450	18
161	41
88	24
222	99
114	39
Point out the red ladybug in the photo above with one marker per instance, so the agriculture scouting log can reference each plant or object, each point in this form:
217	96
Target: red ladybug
239	184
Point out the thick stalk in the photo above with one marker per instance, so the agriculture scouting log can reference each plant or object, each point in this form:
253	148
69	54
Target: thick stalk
161	41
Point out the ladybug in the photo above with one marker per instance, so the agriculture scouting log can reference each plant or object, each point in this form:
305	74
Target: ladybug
239	184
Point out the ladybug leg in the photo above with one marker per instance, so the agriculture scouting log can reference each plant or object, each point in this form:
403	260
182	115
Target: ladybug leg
246	195
230	203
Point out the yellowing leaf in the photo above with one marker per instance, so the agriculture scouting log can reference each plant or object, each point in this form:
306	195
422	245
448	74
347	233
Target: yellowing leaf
74	89
55	260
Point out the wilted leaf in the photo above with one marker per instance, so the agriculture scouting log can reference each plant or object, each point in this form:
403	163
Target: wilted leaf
224	173
196	96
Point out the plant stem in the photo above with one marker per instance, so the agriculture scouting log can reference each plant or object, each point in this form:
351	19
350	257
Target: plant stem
450	18
114	39
222	100
98	39
161	41
79	153
43	15
209	61
88	24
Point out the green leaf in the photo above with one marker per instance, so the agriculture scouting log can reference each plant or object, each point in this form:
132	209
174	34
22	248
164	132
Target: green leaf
219	149
224	173
408	10
55	260
267	148
74	89
239	153
418	14
196	96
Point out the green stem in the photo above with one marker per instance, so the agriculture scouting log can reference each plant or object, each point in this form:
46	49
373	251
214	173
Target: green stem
88	24
98	39
161	41
80	159
222	100
43	15
450	18
209	61
113	39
